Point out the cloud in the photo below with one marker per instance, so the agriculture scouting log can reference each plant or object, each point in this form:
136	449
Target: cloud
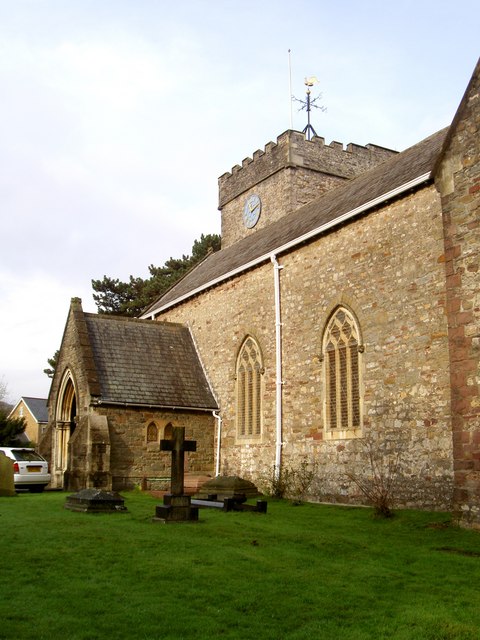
26	340
117	118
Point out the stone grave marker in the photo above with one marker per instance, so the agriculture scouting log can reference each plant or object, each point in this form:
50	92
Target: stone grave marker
177	506
95	501
229	493
7	488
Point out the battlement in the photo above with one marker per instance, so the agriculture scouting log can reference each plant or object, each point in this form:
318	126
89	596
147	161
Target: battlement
293	150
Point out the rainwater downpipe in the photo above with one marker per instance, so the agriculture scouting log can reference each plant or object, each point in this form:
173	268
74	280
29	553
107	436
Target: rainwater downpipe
278	366
218	418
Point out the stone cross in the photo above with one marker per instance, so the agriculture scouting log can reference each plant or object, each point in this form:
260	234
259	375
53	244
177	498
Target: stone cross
178	445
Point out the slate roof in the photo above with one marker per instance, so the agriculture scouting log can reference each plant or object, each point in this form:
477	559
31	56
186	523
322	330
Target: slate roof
147	363
38	408
365	192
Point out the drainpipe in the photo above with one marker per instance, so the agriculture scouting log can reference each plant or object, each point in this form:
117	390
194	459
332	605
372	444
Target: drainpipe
278	363
218	418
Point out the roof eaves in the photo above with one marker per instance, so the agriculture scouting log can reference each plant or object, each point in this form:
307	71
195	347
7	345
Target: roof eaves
394	193
116	403
14	408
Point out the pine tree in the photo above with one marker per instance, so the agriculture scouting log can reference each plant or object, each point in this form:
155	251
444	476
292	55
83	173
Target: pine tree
130	298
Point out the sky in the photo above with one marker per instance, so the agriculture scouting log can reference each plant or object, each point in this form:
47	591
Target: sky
118	116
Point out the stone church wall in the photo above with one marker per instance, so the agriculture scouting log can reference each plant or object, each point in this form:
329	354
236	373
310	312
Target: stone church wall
134	460
389	269
219	320
458	182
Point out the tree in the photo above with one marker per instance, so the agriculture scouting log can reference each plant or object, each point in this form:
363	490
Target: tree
3	396
10	429
130	298
53	364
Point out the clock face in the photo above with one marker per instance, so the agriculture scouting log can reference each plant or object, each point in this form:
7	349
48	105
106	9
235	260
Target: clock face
251	211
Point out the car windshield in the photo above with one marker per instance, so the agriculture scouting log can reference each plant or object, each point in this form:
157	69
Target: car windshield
27	455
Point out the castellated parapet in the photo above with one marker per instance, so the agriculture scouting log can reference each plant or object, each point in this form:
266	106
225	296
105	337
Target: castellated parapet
288	174
293	150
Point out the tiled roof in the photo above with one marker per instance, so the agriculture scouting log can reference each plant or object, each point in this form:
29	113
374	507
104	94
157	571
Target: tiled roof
372	185
147	363
38	408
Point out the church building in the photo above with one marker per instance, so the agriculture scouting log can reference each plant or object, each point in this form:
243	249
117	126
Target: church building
341	316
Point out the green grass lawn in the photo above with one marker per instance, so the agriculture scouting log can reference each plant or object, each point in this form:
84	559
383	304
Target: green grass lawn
307	572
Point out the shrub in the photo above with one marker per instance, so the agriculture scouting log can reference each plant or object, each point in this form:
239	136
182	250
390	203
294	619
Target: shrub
292	481
379	483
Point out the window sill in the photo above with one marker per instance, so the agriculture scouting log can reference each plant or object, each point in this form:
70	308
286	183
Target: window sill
247	440
343	434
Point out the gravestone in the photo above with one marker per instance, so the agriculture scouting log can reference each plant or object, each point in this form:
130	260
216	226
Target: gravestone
177	505
229	493
95	501
7	488
228	487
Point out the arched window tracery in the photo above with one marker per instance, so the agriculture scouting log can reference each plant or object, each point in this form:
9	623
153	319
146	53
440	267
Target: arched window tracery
342	349
249	372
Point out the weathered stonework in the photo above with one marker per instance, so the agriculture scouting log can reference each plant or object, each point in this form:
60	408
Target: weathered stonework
458	181
93	444
287	175
401	312
135	461
395	251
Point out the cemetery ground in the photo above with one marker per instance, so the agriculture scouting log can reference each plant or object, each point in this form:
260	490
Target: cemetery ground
296	573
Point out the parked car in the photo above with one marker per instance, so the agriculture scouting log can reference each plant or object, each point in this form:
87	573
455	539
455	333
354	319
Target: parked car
30	470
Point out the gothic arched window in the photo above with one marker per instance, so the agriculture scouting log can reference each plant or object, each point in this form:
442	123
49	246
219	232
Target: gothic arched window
249	390
341	349
152	432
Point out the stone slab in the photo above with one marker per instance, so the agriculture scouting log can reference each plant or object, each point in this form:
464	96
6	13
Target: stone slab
95	501
228	487
230	504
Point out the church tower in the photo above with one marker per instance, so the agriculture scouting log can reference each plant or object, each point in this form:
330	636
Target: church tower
285	176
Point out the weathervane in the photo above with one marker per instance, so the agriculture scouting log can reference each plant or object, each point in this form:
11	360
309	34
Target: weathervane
307	104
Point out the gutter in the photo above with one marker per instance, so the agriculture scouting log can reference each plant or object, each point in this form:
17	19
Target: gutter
218	418
278	368
113	403
407	186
